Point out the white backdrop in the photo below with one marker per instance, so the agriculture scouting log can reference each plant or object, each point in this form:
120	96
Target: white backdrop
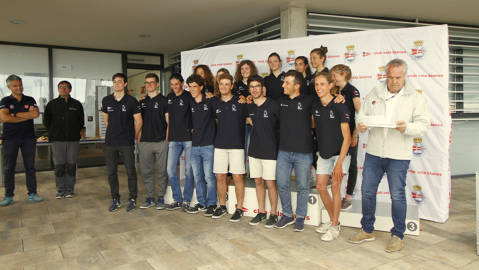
426	51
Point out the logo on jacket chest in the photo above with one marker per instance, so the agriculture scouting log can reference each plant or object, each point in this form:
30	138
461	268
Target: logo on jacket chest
265	114
233	108
300	106
123	108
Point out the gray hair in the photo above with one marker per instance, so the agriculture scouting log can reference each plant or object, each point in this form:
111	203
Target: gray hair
397	63
12	78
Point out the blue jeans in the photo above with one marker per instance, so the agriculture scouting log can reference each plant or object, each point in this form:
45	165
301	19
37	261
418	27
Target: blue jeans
301	162
205	179
396	170
174	153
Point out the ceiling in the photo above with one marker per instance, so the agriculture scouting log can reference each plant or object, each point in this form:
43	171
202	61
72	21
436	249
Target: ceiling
183	24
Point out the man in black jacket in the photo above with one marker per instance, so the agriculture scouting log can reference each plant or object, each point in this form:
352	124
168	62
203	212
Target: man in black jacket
64	120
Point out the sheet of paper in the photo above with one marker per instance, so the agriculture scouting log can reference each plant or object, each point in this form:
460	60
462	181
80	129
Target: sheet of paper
379	121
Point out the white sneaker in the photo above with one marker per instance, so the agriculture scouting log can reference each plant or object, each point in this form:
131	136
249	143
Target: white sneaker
331	234
323	228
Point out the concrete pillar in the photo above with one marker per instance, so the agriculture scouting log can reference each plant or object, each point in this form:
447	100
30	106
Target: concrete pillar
293	22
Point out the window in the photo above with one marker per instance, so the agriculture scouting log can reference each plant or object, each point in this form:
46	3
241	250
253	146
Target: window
31	64
84	70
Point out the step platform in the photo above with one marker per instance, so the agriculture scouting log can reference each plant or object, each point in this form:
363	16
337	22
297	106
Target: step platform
352	217
169	194
250	205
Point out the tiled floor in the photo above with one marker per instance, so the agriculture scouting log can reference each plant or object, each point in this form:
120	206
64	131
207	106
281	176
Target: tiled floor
80	233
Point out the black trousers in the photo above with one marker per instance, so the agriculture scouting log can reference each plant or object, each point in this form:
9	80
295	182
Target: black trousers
10	153
111	159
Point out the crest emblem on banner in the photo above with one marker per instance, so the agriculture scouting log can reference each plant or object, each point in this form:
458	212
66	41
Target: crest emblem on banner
195	63
417	194
239	57
417	51
350	54
417	147
290	59
382	74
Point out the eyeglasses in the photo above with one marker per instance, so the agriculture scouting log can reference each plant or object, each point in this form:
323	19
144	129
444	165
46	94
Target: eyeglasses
63	87
258	86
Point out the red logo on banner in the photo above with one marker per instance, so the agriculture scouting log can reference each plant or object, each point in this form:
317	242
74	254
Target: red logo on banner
417	51
350	54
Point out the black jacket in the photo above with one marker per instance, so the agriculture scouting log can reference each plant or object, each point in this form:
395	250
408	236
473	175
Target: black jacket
64	119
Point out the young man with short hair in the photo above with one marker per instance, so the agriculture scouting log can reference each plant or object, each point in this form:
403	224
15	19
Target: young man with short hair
263	115
122	118
179	137
153	147
295	150
229	146
202	150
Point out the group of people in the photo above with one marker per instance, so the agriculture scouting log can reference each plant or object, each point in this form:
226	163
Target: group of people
286	121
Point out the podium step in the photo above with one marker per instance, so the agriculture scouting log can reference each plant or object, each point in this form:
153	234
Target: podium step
352	217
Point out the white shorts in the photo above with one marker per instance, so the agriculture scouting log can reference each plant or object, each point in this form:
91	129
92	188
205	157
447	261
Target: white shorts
232	158
326	166
262	168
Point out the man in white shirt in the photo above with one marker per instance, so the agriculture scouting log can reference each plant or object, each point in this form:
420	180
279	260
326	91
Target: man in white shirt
389	150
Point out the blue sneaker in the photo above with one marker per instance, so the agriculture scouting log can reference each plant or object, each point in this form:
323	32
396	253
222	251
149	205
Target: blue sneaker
131	205
284	221
160	204
34	198
148	203
174	206
299	225
7	201
115	204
